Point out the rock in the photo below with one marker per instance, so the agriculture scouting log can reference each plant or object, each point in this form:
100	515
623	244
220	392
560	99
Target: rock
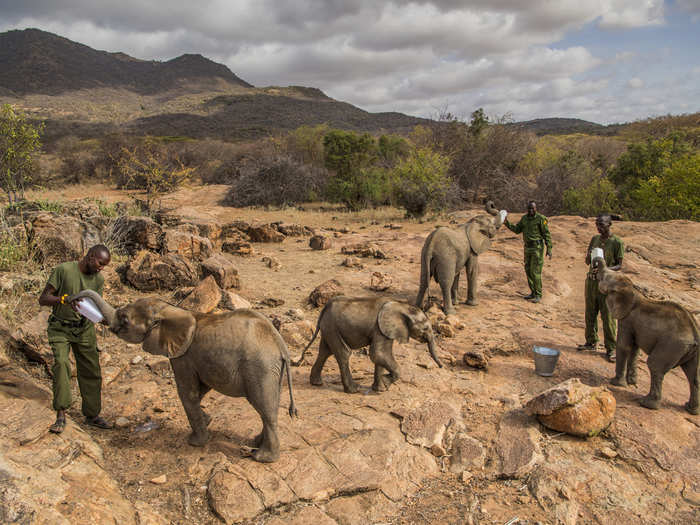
361	509
204	298
209	229
297	333
136	360
445	329
365	249
19	283
466	454
271	302
222	268
517	445
426	425
296	314
607	452
133	234
305	516
235	228
324	292
148	272
271	263
467	476
30	338
438	451
60	238
187	245
265	233
159	480
232	498
475	359
121	422
352	262
292	230
233	301
320	242
237	247
380	281
574	408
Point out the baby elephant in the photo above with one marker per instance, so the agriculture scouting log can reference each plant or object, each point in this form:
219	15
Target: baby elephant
239	354
348	323
663	329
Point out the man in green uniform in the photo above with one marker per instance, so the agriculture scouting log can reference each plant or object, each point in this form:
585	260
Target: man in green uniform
613	251
67	329
536	236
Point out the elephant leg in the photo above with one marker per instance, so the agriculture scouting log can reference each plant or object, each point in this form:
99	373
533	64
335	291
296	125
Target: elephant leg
625	348
342	353
190	392
445	275
324	352
690	368
203	390
455	289
632	366
446	287
381	355
422	289
472	280
264	396
659	365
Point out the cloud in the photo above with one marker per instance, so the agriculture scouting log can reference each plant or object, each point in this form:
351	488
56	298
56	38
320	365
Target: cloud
635	83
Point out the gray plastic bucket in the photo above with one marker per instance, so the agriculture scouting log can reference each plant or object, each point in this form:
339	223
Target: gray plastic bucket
545	360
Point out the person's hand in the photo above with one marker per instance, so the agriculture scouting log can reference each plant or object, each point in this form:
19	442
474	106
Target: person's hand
74	305
549	253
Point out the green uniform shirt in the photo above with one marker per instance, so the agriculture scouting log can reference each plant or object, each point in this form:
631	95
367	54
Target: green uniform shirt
67	278
613	249
534	230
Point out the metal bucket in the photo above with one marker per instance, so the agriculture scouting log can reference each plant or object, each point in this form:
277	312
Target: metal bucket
545	360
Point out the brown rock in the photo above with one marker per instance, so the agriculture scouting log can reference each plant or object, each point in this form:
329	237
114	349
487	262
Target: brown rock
305	516
187	245
60	238
292	230
233	301
445	329
426	425
324	292
237	247
298	333
133	234
204	298
475	359
222	268
232	498
517	445
160	480
352	262
360	509
271	263
30	338
265	233
320	242
467	454
380	281
364	249
209	229
235	229
574	408
148	272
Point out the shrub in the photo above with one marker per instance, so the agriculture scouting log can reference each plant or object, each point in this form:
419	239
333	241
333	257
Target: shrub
280	182
367	187
597	197
19	140
421	182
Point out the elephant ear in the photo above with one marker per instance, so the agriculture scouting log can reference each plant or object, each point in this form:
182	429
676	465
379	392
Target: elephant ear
393	322
478	241
172	332
620	302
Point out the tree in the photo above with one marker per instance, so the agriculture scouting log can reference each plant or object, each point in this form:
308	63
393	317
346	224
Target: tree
478	122
421	182
19	140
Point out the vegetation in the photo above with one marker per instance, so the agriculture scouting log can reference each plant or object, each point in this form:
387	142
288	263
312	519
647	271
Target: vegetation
19	140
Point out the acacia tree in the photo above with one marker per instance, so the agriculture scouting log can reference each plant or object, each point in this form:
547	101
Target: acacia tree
19	140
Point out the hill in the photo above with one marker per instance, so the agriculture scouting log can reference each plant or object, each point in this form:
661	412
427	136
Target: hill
563	126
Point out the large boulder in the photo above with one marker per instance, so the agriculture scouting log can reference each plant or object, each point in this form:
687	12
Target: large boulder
204	298
187	244
325	291
265	233
320	242
574	408
60	238
221	267
133	234
150	271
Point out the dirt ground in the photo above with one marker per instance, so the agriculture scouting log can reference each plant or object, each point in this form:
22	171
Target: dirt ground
654	476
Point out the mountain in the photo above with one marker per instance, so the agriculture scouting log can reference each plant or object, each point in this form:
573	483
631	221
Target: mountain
562	126
37	62
77	90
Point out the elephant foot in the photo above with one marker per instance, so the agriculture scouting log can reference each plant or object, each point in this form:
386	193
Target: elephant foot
472	302
266	456
380	387
198	439
353	388
450	311
258	440
316	381
207	418
632	381
649	402
693	409
618	381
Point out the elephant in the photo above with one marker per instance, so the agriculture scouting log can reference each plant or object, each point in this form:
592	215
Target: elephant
665	330
446	251
238	354
348	323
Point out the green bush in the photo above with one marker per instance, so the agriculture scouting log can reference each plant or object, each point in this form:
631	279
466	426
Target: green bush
421	182
595	198
367	187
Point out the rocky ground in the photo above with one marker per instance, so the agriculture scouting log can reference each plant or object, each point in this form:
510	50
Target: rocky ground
451	445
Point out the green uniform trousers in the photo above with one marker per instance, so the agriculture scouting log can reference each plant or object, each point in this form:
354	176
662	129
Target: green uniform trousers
595	302
534	260
84	344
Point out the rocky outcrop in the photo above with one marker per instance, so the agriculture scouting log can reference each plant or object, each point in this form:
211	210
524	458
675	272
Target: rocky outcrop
517	445
204	298
221	267
380	281
265	233
325	291
60	238
132	234
150	271
574	408
467	454
233	301
187	244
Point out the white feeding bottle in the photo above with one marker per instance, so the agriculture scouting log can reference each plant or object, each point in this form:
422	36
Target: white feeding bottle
87	308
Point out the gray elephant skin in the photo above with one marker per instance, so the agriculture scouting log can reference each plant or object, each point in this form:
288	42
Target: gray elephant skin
446	251
349	323
239	354
666	331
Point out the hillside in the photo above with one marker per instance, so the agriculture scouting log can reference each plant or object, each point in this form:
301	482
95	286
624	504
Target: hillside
562	126
81	91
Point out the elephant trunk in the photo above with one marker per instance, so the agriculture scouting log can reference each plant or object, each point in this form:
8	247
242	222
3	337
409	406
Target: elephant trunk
105	308
491	208
433	353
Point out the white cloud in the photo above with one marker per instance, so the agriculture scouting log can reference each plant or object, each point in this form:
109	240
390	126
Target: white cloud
635	83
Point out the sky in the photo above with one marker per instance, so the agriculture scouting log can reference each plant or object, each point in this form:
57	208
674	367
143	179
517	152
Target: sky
606	61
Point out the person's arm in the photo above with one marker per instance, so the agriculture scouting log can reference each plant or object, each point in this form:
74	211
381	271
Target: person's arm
619	254
517	228
48	297
547	237
588	252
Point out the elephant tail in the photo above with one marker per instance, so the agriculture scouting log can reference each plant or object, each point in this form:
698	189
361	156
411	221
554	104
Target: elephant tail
292	406
313	338
426	258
